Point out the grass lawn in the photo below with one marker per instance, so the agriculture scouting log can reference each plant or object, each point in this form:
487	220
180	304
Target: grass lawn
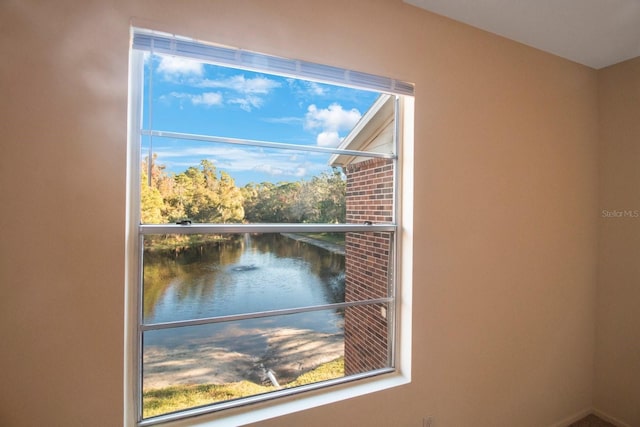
335	238
171	399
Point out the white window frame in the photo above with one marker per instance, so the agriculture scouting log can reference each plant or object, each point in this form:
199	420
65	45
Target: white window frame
307	396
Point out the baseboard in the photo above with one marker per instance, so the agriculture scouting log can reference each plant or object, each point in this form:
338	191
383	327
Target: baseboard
572	419
609	418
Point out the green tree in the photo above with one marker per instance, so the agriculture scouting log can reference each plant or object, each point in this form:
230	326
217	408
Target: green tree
153	182
150	201
205	195
231	202
319	200
197	194
331	192
201	196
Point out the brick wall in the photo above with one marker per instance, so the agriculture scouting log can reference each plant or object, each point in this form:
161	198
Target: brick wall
369	198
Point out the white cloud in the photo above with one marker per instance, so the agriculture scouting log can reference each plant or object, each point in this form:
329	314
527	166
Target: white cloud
248	102
306	90
333	118
330	121
328	139
171	66
239	83
247	93
282	168
269	169
207	99
251	91
233	159
316	89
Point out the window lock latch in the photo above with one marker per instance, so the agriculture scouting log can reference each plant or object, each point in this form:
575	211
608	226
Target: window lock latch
184	222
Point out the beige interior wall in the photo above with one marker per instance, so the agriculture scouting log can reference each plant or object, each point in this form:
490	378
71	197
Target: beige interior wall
617	386
505	245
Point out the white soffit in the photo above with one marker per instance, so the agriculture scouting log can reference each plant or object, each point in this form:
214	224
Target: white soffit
596	33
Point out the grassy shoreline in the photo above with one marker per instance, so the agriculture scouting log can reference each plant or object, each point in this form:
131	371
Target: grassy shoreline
178	243
334	238
180	397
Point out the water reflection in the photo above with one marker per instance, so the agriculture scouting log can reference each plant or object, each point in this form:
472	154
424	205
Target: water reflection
246	274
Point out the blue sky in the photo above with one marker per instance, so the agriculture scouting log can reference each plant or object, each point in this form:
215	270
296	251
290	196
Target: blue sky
192	97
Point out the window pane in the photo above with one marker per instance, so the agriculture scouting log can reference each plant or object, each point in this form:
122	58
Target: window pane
370	191
368	265
367	340
198	276
193	366
218	183
222	183
186	95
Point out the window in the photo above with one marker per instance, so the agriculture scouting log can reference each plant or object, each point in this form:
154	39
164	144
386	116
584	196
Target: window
265	233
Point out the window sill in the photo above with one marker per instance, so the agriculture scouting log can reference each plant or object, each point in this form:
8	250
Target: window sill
289	405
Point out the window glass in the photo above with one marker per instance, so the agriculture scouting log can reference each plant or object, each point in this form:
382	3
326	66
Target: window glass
218	363
204	276
226	183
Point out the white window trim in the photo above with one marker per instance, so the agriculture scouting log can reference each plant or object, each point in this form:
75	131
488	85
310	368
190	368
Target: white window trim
300	401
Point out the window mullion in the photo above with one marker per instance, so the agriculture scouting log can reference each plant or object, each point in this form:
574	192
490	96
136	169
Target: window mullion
155	229
260	314
266	144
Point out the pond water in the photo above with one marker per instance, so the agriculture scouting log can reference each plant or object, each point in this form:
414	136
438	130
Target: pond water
251	273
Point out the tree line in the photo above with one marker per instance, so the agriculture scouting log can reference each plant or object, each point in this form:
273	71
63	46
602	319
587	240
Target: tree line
204	194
